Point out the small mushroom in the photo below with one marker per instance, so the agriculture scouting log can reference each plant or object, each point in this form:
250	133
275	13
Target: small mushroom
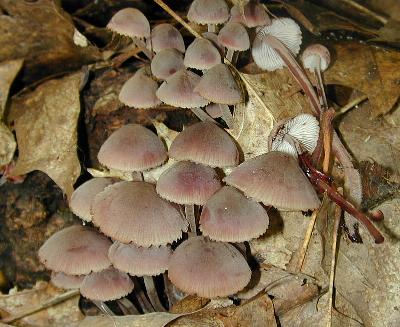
166	63
253	15
234	37
201	54
165	36
68	282
210	12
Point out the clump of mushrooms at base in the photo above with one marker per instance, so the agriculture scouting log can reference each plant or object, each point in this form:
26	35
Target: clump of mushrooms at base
188	226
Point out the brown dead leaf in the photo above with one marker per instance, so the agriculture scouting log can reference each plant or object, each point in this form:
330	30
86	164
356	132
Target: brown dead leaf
7	145
45	123
389	33
41	33
65	314
373	71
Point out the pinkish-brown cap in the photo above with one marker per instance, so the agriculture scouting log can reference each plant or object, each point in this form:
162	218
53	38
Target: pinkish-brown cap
166	36
207	268
201	54
229	216
285	30
177	90
218	85
166	63
76	250
208	12
133	212
106	285
234	36
316	56
140	90
187	182
215	110
205	143
81	199
275	178
132	148
139	261
130	22
214	40
253	15
68	282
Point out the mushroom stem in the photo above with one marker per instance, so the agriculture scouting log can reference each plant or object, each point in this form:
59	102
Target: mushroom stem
190	217
203	116
227	116
103	308
211	28
229	54
152	293
143	47
143	301
127	307
320	87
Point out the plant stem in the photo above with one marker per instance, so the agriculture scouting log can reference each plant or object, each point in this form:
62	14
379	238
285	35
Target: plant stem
152	293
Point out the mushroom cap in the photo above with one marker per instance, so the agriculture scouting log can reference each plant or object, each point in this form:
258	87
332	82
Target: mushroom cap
286	31
302	130
165	63
75	250
314	56
253	15
81	199
207	268
132	148
214	40
133	212
139	91
234	36
229	216
187	182
208	12
139	261
68	282
106	285
275	178
177	90
218	85
215	110
166	36
205	143
130	22
201	54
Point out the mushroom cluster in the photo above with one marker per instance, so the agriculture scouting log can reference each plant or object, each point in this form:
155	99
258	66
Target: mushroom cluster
190	221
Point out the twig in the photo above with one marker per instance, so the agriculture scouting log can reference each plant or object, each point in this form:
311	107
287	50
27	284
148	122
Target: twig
367	11
350	105
52	302
338	214
327	130
307	238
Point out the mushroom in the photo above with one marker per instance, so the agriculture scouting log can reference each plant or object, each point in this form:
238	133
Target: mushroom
229	216
189	184
139	91
217	110
210	12
165	36
132	23
207	268
68	282
253	15
201	54
234	37
166	63
138	214
142	262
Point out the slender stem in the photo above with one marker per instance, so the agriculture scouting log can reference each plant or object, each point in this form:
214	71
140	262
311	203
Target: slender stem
190	217
229	54
152	293
143	47
227	115
103	308
211	28
321	88
143	301
127	307
202	115
351	105
326	127
306	241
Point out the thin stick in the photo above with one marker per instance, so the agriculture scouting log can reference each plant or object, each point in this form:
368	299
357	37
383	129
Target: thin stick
327	130
338	214
350	105
307	238
52	302
367	11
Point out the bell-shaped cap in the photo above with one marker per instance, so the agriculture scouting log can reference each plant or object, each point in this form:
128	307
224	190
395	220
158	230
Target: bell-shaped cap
139	91
139	261
130	22
298	133
208	12
218	85
106	285
316	56
253	15
205	143
76	250
133	212
229	216
207	268
216	110
286	31
81	199
166	63
166	36
214	40
201	54
132	148
234	36
275	179
187	182
67	282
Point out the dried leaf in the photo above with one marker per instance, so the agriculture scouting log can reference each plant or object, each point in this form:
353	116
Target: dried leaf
65	314
45	123
7	145
42	34
375	73
389	33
